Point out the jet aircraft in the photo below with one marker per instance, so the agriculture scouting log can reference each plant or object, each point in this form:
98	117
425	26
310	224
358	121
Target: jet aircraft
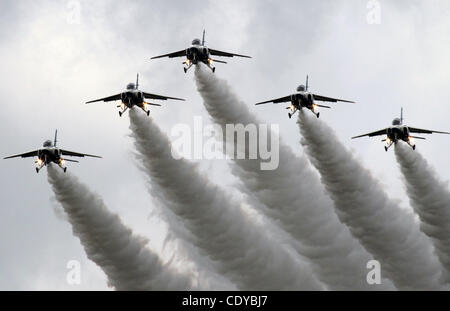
398	131
50	153
199	52
132	96
304	99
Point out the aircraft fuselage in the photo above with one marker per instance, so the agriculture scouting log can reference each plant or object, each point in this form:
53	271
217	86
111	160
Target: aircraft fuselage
396	133
47	155
131	98
197	53
302	100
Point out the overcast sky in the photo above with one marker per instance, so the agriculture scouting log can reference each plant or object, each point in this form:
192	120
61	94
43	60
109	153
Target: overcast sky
54	60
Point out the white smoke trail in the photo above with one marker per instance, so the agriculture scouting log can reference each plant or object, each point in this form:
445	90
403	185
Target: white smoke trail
389	233
219	227
294	197
128	264
430	199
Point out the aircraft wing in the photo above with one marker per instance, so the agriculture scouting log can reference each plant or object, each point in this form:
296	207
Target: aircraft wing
277	100
376	133
422	131
24	155
330	99
225	54
172	55
106	99
76	154
161	97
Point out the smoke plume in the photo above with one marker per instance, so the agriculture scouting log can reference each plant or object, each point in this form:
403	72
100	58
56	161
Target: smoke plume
219	227
430	199
387	232
128	264
293	196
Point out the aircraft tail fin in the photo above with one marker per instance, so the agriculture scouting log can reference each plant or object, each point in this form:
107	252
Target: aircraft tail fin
137	81
203	39
401	115
306	86
55	140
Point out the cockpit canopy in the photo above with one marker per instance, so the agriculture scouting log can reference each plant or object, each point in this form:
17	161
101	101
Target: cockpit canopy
396	121
47	143
196	42
301	88
131	86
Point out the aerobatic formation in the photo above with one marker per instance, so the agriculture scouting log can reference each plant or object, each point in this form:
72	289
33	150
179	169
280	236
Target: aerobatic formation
321	231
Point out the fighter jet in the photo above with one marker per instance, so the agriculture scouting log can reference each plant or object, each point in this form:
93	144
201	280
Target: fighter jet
398	131
199	52
50	153
132	96
304	99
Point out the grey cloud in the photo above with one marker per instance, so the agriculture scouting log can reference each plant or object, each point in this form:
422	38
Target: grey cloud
292	195
242	252
388	233
50	68
430	199
123	256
